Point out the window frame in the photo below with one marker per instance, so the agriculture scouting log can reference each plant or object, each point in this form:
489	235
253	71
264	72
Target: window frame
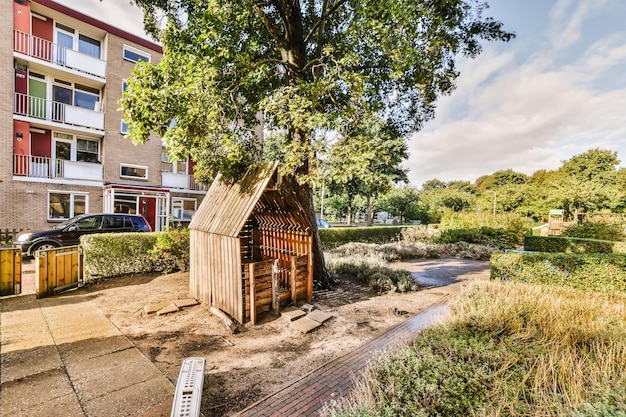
133	177
72	213
178	203
128	48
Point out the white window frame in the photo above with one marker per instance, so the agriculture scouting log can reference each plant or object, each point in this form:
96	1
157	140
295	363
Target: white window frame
133	177
178	204
135	51
72	195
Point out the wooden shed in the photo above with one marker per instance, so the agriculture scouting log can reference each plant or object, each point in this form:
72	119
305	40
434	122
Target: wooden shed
251	246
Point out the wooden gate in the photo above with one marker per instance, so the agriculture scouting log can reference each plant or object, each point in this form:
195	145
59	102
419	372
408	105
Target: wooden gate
10	271
58	269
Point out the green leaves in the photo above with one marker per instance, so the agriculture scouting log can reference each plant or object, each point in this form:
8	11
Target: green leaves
306	65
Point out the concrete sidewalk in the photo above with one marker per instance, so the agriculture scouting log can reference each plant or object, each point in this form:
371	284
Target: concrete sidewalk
62	357
306	396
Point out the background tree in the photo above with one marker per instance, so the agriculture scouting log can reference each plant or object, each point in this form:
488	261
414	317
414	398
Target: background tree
366	161
399	200
306	65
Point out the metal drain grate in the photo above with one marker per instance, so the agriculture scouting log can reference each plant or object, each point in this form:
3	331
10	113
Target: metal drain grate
188	394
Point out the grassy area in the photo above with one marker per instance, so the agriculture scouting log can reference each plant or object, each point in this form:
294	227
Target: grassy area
509	349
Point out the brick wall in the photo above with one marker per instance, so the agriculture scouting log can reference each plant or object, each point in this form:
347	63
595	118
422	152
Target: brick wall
117	149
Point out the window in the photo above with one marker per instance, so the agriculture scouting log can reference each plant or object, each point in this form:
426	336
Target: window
183	209
133	171
89	46
77	95
68	38
135	55
65	205
70	148
87	150
123	124
90	223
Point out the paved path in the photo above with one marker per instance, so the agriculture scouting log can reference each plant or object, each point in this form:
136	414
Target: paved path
63	357
306	396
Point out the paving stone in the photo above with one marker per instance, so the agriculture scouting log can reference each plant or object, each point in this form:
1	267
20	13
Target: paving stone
292	313
171	308
153	308
188	302
319	316
306	325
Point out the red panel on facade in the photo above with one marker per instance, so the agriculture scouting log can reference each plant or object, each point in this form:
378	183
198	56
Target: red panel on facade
20	100
43	33
21	24
21	146
41	144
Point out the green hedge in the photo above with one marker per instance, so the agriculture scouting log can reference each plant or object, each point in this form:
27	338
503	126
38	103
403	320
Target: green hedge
572	245
598	272
114	254
337	236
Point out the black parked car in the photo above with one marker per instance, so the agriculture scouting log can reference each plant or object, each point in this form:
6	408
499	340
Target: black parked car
69	232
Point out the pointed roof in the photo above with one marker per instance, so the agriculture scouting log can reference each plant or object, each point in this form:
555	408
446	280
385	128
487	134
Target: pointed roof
227	206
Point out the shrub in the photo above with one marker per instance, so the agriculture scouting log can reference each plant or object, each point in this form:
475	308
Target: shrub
171	250
115	254
596	230
336	236
598	272
571	244
498	238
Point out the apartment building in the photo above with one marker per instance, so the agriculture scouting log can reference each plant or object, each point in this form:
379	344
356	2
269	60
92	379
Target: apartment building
62	145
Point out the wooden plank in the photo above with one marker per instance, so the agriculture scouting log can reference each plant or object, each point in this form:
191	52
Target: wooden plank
10	271
292	279
252	294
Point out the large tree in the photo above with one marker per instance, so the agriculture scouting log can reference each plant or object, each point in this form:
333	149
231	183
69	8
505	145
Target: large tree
305	65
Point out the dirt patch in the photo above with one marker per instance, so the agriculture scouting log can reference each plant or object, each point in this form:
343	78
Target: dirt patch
245	367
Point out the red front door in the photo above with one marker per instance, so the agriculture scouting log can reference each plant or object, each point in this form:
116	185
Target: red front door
147	208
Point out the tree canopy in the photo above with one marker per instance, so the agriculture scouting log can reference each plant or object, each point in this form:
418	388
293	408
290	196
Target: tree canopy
305	65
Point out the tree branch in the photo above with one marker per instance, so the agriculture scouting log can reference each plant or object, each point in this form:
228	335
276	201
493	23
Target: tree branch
268	24
323	19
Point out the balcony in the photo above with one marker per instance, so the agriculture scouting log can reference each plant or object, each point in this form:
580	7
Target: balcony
181	181
42	167
55	54
39	108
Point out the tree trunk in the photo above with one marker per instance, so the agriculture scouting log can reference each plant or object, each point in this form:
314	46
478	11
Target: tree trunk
349	216
370	212
305	197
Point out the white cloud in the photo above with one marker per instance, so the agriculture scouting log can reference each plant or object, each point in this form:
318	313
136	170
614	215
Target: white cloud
526	117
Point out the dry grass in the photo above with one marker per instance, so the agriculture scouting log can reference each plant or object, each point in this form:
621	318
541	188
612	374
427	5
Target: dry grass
509	349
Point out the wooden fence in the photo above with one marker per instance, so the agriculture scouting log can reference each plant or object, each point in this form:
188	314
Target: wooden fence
58	269
10	271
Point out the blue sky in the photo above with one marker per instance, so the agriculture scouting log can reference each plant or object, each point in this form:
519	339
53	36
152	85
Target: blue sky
557	90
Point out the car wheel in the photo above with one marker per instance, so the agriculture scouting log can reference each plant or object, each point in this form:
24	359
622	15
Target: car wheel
42	246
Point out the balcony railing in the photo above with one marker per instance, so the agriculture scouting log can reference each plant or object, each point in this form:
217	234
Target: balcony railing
44	167
182	181
40	108
56	54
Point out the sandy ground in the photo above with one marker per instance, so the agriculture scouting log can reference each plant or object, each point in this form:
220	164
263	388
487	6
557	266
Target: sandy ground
245	367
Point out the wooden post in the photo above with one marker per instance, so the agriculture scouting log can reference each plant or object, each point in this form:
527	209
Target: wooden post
275	278
292	283
252	294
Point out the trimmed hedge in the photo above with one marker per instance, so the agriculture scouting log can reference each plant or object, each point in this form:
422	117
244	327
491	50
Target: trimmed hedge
114	254
598	272
572	245
337	236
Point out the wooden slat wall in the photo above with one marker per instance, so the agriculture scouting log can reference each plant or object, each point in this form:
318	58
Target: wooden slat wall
10	271
59	267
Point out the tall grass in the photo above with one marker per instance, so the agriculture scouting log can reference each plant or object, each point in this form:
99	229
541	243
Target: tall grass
509	349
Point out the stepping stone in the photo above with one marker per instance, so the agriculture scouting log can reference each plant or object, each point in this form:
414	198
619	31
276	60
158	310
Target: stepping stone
319	316
292	313
307	307
153	308
171	308
187	302
306	325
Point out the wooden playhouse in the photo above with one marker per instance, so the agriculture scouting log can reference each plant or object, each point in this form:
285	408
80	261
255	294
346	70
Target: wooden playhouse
251	246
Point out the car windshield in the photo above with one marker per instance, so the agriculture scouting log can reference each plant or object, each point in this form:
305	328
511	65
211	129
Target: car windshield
65	223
